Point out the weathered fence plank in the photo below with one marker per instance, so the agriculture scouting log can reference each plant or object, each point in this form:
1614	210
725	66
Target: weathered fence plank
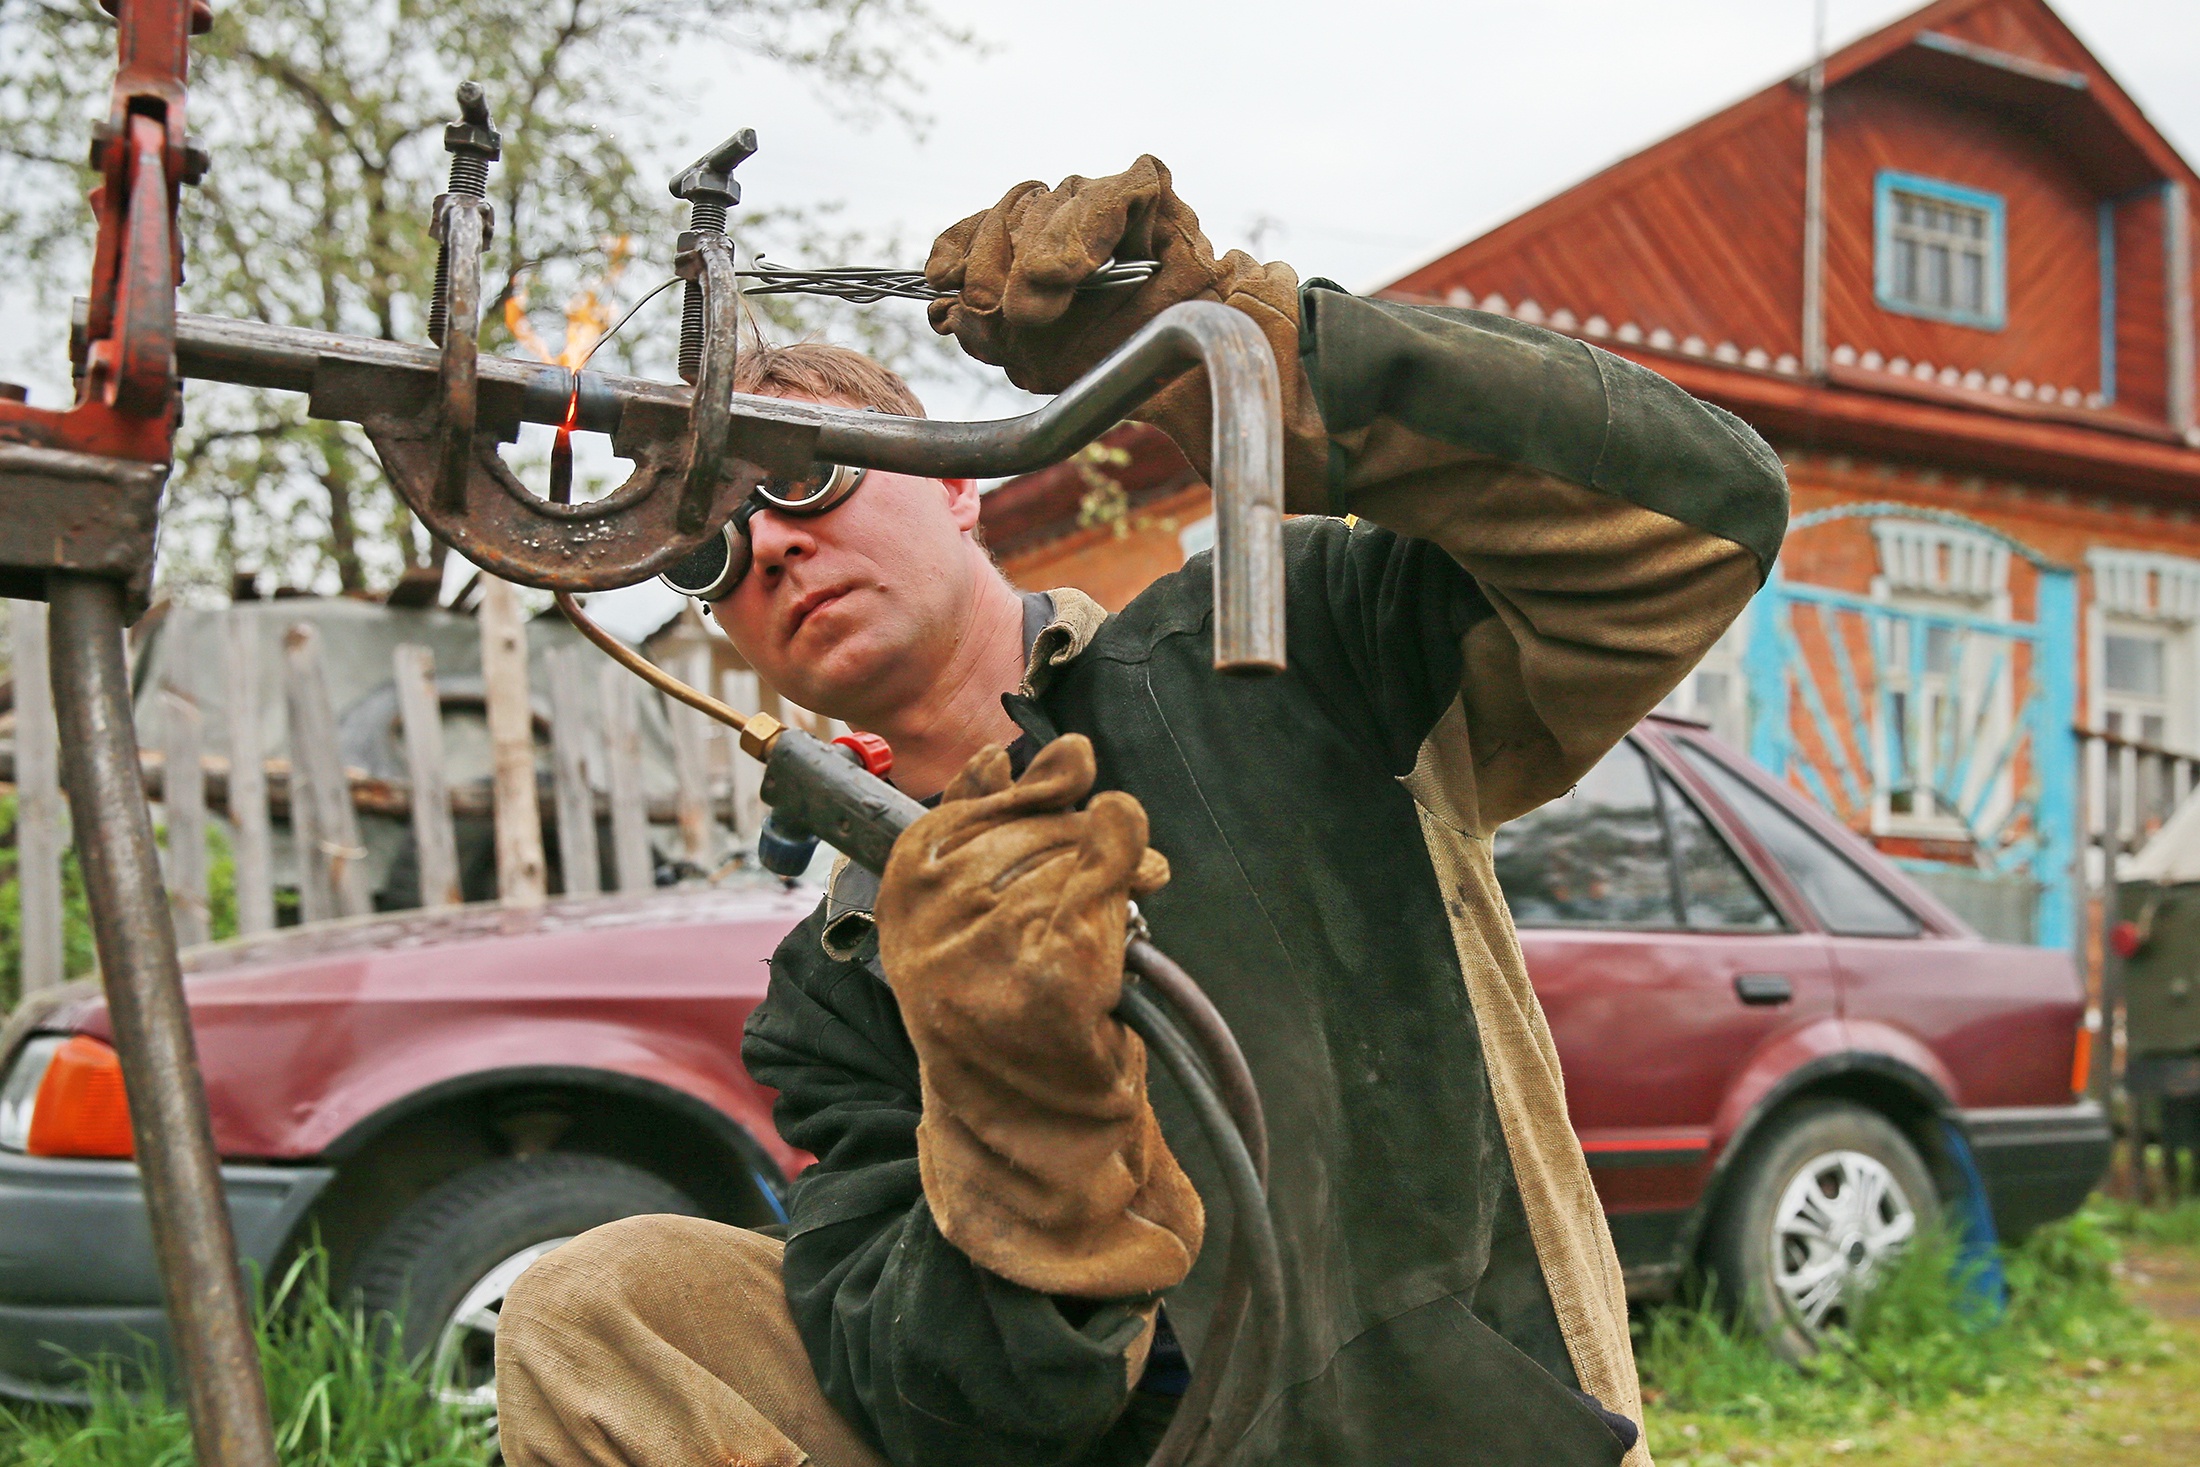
521	878
569	765
690	756
183	798
247	787
332	877
740	693
435	840
40	831
622	739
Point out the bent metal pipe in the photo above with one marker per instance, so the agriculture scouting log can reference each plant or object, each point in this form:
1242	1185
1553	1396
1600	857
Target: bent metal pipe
634	532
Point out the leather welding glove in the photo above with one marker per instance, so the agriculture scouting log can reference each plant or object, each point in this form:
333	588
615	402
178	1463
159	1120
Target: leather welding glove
1001	921
1015	269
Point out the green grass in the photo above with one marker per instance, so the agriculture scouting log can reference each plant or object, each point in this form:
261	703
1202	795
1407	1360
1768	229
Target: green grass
1919	1341
1920	1358
2178	1226
340	1393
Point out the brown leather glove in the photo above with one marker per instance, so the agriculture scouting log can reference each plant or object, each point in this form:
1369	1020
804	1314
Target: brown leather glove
1015	269
1001	922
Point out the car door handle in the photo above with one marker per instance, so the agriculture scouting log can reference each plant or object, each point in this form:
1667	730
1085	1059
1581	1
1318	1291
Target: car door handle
1763	988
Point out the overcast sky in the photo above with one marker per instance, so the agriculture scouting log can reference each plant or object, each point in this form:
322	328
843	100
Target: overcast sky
1351	139
1370	134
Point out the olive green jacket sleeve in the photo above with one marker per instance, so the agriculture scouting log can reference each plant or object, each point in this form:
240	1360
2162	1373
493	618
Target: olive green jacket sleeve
1616	524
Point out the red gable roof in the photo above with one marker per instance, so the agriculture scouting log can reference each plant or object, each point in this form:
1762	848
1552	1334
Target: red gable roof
1689	256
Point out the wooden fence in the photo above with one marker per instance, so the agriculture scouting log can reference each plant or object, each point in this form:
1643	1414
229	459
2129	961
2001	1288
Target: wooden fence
595	786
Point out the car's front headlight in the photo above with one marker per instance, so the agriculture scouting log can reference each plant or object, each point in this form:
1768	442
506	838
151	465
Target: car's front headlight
19	1091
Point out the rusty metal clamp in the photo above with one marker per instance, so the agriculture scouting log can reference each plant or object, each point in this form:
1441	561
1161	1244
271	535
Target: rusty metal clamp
461	227
445	460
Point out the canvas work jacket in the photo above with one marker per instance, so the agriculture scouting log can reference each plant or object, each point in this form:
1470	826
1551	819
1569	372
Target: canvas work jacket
1543	540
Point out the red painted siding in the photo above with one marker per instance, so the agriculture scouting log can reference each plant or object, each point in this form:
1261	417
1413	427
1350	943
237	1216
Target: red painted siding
1706	241
2142	310
2052	332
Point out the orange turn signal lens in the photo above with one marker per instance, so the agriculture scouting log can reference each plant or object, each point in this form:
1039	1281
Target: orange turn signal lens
81	1109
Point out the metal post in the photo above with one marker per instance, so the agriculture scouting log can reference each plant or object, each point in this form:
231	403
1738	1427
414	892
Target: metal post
2184	411
192	1237
2112	824
1814	206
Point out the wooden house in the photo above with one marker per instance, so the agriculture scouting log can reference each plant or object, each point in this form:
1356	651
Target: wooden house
1949	274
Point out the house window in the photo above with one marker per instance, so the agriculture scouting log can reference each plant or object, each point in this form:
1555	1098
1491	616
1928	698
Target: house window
2135	685
2145	607
2145	667
1939	250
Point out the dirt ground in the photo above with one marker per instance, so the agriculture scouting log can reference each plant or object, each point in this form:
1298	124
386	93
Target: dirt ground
2141	1415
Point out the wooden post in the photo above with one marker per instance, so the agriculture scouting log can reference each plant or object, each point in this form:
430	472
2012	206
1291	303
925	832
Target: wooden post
748	774
690	759
622	740
435	842
332	877
521	880
248	778
183	795
40	834
569	763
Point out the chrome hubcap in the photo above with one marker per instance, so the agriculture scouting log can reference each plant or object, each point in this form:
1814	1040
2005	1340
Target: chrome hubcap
1842	1220
466	1351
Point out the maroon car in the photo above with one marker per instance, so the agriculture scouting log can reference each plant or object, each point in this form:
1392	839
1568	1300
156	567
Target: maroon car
1782	1058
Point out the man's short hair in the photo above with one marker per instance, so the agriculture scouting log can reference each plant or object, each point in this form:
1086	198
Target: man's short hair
821	372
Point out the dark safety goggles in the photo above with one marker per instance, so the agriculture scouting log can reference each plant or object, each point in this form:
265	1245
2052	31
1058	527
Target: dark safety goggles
712	569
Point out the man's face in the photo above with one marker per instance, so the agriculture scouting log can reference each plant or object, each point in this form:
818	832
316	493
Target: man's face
855	610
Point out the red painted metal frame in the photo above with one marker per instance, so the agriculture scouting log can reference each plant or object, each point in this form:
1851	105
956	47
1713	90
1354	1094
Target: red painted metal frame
127	399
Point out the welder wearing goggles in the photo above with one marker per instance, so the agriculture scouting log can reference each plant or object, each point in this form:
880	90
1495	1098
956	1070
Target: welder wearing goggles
719	563
1509	546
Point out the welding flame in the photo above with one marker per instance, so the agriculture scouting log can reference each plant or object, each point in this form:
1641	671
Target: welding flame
587	318
587	314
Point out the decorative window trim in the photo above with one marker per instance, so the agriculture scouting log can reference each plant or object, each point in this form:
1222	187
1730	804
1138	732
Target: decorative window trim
1921	557
1884	188
2145	585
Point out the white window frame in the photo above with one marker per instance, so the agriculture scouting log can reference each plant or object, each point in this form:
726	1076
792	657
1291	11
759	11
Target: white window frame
1989	245
2148	594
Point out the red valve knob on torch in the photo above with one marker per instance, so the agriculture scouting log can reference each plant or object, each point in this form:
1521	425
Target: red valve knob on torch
870	751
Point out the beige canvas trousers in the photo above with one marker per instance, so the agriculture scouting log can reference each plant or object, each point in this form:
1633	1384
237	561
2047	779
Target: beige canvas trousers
662	1342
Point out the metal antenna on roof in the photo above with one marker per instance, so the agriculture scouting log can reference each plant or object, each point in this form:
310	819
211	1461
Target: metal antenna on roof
1814	203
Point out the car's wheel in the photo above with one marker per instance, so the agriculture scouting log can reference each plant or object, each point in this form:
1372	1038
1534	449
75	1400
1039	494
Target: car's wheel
1822	1204
443	1266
